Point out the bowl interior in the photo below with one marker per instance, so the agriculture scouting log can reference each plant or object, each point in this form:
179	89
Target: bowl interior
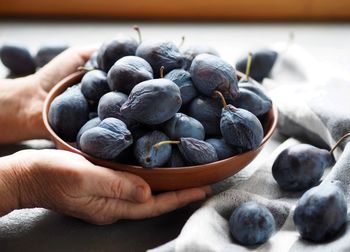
161	179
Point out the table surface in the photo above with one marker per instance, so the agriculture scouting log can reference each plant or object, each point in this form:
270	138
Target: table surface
43	230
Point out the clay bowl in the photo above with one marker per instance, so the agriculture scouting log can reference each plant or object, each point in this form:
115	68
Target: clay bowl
164	179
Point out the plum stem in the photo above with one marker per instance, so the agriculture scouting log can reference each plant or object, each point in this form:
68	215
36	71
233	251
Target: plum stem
157	145
85	69
137	29
182	41
218	93
161	72
339	142
249	66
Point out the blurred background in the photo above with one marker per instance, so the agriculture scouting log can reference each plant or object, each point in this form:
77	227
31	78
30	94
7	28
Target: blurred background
232	26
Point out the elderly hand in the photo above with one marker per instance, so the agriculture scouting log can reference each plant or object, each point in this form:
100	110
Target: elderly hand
68	183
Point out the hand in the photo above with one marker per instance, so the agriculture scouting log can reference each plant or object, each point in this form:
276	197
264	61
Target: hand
22	99
68	183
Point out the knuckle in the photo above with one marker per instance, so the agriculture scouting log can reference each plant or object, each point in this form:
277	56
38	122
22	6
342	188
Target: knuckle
117	188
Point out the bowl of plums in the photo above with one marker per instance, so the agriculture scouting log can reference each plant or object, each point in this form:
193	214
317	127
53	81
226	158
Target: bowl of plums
177	118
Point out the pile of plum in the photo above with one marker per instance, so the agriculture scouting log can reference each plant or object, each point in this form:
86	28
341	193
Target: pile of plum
151	104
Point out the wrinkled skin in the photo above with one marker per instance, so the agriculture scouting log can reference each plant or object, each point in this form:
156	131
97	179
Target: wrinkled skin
210	73
240	128
207	111
321	212
191	52
110	104
127	72
114	50
197	152
17	59
262	63
251	224
107	140
183	80
94	122
223	150
68	113
149	156
176	159
94	85
152	102
159	54
252	102
300	166
46	53
182	125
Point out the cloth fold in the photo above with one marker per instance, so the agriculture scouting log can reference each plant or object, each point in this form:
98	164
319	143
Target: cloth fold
312	110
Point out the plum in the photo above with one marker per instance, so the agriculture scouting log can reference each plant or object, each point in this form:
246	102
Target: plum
147	155
152	102
88	125
46	53
182	125
191	52
115	49
110	104
321	212
17	59
94	85
223	150
208	112
300	166
92	62
176	159
239	127
210	73
107	140
159	54
68	112
183	80
251	224
127	72
262	63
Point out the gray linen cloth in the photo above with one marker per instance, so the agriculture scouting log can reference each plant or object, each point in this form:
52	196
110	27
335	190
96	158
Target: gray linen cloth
314	107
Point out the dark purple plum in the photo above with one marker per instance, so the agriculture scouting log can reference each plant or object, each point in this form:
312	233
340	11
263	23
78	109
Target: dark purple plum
147	155
223	150
68	112
191	52
90	124
17	59
152	102
114	50
94	85
251	224
252	102
197	152
182	125
301	166
183	80
207	111
107	140
321	212
262	63
92	62
210	73
127	72
176	159
110	104
159	54
46	53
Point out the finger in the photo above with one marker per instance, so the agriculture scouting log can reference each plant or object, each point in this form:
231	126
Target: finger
162	203
105	182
